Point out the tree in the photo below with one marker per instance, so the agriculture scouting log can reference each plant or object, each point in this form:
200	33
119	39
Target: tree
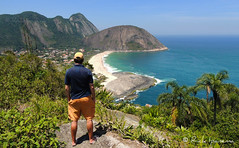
232	99
177	91
185	107
215	84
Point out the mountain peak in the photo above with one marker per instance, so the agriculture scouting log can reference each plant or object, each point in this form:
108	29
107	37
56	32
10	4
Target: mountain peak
58	17
77	17
32	15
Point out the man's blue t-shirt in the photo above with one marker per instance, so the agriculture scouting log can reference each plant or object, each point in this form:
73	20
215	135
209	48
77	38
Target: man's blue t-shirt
79	77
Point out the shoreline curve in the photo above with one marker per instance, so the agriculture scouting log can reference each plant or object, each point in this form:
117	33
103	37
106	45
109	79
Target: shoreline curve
122	84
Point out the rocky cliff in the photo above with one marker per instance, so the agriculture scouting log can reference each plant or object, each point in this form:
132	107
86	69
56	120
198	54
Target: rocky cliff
123	38
41	31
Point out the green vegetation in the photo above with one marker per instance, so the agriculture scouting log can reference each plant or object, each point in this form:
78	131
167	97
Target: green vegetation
109	121
35	126
134	46
33	105
215	84
25	76
185	107
25	87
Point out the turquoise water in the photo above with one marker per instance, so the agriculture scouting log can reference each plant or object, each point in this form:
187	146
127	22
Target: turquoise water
186	60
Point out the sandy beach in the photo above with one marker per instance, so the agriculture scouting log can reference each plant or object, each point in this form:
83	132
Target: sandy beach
97	62
99	68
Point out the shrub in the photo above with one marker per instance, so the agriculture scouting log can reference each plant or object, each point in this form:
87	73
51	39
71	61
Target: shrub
27	129
21	78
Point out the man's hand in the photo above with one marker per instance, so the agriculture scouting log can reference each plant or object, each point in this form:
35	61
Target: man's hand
92	89
68	88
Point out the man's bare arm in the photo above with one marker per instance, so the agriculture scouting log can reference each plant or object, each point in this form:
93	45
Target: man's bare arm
68	88
92	89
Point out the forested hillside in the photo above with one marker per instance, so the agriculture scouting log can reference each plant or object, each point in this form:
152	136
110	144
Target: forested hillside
17	31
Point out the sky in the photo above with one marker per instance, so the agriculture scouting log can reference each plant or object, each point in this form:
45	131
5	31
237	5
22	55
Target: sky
159	17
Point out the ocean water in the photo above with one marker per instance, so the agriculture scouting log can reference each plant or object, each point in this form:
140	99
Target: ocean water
186	60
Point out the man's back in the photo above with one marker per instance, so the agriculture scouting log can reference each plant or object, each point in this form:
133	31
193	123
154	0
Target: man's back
79	77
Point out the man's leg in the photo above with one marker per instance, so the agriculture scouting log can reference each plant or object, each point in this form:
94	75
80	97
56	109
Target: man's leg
89	124
73	131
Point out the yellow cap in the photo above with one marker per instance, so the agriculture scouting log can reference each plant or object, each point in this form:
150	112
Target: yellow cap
78	55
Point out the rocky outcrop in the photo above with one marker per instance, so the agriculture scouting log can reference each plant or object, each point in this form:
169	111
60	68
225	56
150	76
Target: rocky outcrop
82	25
123	38
38	29
127	83
76	24
63	25
42	31
105	139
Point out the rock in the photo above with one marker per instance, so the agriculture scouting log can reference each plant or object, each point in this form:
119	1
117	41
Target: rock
104	139
107	139
148	105
126	83
82	24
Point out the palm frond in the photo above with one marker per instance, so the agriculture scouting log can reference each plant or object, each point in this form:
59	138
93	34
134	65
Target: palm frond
165	97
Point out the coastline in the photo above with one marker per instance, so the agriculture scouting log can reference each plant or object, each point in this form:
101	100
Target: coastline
99	68
122	84
150	50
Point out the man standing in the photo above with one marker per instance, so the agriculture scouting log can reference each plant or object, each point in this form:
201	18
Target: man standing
81	96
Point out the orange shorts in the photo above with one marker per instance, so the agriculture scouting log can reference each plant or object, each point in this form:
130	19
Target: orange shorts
84	106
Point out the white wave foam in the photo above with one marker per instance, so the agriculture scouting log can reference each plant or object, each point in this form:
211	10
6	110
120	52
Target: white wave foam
108	67
120	99
138	91
157	80
169	79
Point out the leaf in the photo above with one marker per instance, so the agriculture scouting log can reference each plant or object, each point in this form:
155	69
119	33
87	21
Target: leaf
21	123
25	145
5	144
127	137
38	145
216	145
